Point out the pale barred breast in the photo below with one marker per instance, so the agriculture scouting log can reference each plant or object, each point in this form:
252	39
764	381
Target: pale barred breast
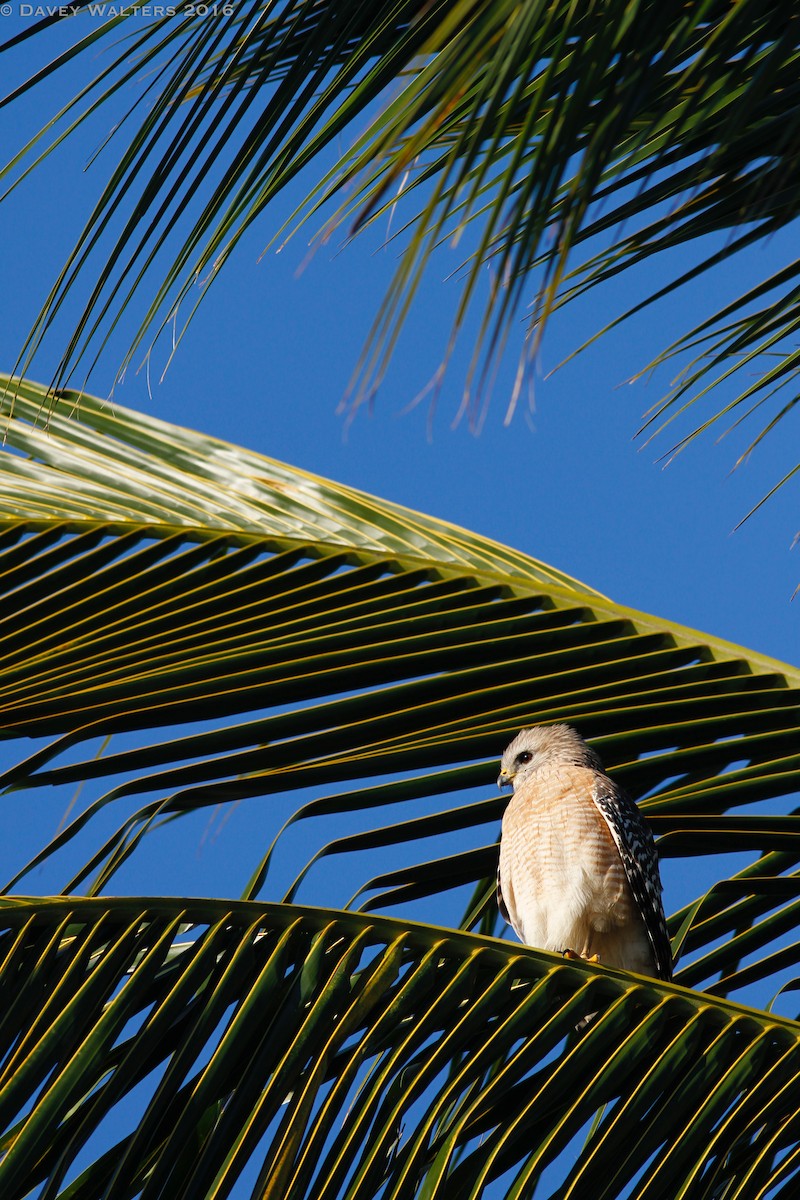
559	866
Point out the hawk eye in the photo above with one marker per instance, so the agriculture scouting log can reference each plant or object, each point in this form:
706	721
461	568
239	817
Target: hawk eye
524	756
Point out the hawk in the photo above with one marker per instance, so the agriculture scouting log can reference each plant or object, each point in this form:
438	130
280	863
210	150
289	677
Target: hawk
578	870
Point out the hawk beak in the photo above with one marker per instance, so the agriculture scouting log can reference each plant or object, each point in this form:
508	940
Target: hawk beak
504	779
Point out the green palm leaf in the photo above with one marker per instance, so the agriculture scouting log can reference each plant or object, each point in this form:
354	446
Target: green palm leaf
557	143
246	633
333	1054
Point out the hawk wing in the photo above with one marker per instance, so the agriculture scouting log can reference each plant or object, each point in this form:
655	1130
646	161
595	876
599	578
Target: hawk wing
501	904
637	849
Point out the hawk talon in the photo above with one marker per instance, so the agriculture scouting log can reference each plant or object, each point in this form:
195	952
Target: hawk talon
572	954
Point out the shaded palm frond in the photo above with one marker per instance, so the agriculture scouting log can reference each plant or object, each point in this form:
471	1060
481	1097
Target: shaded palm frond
319	1053
557	143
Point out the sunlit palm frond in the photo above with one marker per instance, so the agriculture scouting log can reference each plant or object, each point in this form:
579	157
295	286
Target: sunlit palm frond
190	627
304	640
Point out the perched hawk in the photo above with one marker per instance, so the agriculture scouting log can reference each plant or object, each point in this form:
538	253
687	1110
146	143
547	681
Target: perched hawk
578	866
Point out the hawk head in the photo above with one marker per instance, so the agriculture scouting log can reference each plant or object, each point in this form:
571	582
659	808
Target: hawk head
544	746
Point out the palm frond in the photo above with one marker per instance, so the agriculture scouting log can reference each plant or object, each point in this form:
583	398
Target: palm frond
250	633
339	1055
186	625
